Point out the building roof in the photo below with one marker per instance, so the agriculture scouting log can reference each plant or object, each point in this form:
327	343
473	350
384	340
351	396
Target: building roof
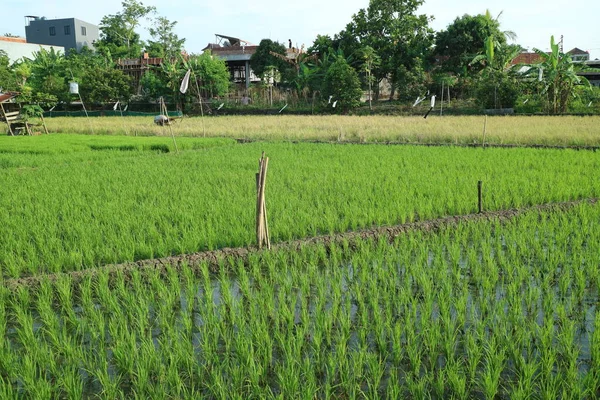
233	41
527	58
13	39
577	50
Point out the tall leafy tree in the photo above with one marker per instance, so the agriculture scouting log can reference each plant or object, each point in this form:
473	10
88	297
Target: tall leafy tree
101	85
165	41
49	74
400	38
118	36
464	38
211	74
342	84
263	59
6	76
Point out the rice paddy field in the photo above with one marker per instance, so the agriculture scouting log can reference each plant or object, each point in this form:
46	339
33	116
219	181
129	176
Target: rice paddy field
553	131
485	308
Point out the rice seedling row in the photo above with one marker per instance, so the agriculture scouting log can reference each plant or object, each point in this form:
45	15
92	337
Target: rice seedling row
483	310
67	210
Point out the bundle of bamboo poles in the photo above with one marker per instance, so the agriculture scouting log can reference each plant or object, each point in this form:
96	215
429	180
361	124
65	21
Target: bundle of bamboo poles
262	227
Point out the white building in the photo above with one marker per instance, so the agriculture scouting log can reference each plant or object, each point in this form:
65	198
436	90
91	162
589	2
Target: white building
17	48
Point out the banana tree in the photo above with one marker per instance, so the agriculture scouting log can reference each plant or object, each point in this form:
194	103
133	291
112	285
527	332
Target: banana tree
558	77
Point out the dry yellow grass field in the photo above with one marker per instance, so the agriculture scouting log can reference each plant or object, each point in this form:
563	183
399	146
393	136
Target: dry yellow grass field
561	131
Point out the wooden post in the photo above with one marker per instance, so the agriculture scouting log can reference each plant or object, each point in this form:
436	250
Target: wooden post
442	100
484	131
7	121
479	196
44	122
201	106
262	225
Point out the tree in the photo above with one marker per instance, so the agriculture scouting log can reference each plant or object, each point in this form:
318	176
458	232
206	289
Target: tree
118	38
166	43
5	71
497	89
464	38
370	61
211	74
321	45
497	86
397	35
263	58
101	85
558	76
342	84
153	85
49	74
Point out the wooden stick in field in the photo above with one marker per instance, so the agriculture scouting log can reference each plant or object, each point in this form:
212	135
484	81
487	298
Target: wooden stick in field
480	196
201	106
262	226
484	131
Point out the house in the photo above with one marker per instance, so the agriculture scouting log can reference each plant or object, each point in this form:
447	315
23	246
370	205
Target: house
592	72
578	55
17	48
236	53
70	33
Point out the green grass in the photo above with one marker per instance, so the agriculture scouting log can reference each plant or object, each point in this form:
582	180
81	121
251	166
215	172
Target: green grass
484	310
67	210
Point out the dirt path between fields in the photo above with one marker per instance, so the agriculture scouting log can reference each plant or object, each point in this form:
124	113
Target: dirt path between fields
214	257
466	145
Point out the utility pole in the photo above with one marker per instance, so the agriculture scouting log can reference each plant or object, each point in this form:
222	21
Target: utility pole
562	39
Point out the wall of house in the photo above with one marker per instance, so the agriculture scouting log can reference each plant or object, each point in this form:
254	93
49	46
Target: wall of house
67	32
18	50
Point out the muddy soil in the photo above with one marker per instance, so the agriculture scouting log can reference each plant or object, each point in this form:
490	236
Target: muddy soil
472	145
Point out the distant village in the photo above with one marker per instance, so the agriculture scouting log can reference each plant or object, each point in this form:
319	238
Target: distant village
72	33
349	70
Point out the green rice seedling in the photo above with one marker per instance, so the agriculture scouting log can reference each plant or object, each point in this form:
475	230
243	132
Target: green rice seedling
377	319
494	361
474	354
70	382
457	380
418	387
97	202
34	383
6	389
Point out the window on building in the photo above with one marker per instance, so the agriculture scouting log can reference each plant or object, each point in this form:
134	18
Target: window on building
52	31
67	29
83	31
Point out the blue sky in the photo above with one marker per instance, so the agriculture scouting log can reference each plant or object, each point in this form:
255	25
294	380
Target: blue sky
533	21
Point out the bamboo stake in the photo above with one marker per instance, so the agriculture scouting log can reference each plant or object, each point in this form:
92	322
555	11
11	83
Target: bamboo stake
258	203
7	121
484	131
262	226
480	196
201	106
44	123
264	206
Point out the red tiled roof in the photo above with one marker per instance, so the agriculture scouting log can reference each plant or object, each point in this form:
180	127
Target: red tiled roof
13	39
527	58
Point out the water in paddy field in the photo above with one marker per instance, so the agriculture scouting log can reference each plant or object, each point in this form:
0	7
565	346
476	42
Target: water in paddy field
408	295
